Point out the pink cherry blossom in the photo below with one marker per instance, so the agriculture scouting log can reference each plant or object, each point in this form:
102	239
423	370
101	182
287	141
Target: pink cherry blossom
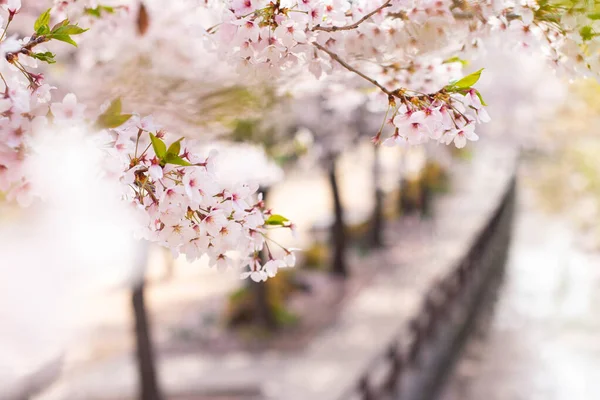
68	108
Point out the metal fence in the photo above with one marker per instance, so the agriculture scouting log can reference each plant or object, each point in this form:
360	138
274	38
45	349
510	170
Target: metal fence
417	370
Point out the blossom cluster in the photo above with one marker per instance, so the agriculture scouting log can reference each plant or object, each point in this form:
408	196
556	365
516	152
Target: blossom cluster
447	122
395	44
276	36
566	33
180	202
188	210
379	38
23	107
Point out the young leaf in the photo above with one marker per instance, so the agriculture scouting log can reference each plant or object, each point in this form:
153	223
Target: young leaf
587	33
276	219
468	81
170	158
160	149
112	121
112	117
46	57
97	11
114	108
44	30
454	60
480	98
63	38
42	21
68	30
61	23
63	31
175	148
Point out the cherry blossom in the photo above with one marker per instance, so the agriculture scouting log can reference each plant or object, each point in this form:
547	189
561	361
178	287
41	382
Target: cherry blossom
178	199
69	108
411	69
460	135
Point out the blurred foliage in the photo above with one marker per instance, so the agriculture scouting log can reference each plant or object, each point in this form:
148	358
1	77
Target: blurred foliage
241	304
316	257
416	192
435	178
358	233
182	103
410	198
277	139
466	153
565	170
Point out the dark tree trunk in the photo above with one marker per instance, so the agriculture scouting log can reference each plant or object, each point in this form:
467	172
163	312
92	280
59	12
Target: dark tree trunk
426	199
402	186
148	383
264	312
338	234
260	291
377	221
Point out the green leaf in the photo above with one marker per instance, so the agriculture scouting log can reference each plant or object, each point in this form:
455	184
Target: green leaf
480	98
63	38
114	121
44	30
173	159
97	11
276	219
46	57
61	23
175	148
42	21
63	31
114	108
454	60
587	33
468	81
160	148
594	17
112	117
67	30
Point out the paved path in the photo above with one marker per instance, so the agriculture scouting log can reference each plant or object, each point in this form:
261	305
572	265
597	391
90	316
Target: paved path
542	341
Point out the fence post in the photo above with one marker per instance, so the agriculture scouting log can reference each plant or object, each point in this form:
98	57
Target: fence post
393	380
365	388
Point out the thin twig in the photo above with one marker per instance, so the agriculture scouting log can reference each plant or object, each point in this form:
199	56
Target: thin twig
352	69
355	25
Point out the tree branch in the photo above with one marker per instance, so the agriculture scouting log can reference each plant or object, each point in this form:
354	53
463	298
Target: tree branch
355	25
27	48
352	69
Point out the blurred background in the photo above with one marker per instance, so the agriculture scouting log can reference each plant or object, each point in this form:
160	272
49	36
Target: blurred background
425	272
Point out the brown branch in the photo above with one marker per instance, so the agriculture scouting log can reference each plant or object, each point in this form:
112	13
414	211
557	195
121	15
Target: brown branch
355	25
352	69
10	57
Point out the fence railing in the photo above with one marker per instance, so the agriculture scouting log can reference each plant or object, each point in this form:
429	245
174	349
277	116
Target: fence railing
414	369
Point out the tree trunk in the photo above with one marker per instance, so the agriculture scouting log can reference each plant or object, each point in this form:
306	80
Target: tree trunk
338	234
260	292
402	184
426	199
148	383
377	221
